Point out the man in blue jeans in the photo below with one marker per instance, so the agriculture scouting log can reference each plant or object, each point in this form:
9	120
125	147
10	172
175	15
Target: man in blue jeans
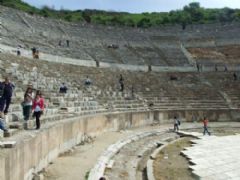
2	123
6	95
205	126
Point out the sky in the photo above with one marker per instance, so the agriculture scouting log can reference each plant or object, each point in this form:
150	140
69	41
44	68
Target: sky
133	6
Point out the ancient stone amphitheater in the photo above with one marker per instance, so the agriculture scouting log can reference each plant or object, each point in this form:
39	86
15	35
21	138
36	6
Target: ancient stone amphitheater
159	66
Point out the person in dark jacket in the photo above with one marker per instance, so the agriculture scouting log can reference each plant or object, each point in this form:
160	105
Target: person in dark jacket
121	83
6	95
235	76
63	88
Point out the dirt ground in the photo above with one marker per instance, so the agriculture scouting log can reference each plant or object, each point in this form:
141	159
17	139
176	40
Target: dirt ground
170	165
222	54
75	165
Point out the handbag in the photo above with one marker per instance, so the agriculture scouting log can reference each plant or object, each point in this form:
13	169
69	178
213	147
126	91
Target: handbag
23	103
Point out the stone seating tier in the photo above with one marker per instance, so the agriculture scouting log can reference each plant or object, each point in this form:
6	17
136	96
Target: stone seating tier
90	42
190	92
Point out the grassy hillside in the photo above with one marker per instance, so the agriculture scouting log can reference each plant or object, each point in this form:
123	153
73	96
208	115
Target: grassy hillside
190	14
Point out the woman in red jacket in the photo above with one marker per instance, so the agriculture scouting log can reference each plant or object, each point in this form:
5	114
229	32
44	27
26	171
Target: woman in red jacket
37	108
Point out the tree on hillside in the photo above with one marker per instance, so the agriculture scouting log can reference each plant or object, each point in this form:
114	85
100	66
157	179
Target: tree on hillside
68	18
226	14
129	22
116	20
86	17
195	11
144	23
191	13
237	15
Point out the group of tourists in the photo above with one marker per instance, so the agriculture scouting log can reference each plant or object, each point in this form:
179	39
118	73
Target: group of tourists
33	103
177	123
61	44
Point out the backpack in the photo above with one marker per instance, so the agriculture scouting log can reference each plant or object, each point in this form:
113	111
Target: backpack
179	122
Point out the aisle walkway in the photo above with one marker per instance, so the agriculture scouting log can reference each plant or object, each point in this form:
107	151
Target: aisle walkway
74	166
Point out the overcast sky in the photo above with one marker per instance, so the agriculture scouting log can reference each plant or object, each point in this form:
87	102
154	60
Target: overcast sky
134	6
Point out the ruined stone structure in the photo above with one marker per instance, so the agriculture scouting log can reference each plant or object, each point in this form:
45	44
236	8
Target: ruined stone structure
160	77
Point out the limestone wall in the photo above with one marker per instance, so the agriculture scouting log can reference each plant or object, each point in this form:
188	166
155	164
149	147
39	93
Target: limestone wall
49	57
37	151
124	66
173	69
89	63
32	153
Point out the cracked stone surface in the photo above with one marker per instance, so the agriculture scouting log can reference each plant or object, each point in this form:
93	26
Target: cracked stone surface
215	157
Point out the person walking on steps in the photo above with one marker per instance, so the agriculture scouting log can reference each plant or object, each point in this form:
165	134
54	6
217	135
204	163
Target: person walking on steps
205	126
6	92
121	83
27	103
37	108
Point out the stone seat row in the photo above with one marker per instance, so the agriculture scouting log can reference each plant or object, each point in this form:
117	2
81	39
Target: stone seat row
98	170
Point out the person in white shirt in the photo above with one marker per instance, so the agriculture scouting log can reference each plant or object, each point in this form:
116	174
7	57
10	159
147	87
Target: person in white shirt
27	103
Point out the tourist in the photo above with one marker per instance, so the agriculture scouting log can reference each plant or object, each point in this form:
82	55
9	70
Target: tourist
60	43
225	68
6	91
216	68
205	126
34	50
176	124
63	88
132	92
27	103
2	123
68	43
121	83
198	67
37	54
37	108
87	81
235	76
18	51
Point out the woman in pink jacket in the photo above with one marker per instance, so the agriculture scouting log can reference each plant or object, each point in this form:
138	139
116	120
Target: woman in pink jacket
37	108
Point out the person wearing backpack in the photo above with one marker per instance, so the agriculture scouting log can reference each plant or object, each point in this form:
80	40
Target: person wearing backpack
177	123
6	95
